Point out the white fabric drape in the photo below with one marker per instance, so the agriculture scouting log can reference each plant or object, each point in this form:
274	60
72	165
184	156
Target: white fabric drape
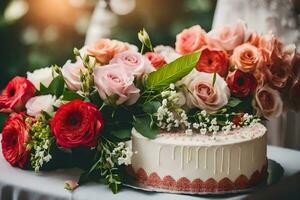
278	16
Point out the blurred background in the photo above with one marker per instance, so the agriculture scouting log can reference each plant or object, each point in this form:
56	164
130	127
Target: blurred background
39	33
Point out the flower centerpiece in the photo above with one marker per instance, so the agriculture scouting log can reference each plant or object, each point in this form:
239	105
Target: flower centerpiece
82	113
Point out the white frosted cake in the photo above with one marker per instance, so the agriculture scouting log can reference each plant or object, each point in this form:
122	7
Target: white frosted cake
201	163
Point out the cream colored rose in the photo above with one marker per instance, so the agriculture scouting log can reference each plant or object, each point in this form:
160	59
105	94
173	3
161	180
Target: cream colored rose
71	73
246	57
37	104
43	75
201	92
268	102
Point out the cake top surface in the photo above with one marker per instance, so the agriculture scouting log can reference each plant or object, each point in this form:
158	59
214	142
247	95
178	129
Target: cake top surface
235	136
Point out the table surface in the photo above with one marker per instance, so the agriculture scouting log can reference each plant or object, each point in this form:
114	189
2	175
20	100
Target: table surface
50	185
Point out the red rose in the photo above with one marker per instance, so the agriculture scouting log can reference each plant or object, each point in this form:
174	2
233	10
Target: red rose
77	123
237	119
156	59
212	61
14	138
16	94
241	84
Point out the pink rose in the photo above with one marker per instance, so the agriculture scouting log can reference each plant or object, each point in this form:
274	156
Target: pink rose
105	49
115	84
71	73
190	40
278	74
156	59
227	37
133	63
271	48
246	57
268	102
201	92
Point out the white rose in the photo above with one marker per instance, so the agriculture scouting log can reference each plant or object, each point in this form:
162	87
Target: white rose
167	52
201	92
71	73
43	75
36	105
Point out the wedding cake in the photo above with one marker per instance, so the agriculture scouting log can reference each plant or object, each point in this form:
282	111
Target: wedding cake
198	163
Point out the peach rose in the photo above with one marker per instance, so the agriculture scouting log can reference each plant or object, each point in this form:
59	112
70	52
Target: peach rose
228	37
246	57
201	92
190	40
268	102
254	39
105	49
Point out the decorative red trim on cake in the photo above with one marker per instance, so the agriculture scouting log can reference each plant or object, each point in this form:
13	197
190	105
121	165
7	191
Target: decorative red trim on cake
197	185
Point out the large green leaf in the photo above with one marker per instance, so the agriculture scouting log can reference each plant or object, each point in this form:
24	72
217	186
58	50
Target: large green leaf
172	72
145	127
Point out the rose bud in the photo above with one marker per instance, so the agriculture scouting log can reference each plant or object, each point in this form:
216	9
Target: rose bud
14	138
237	119
213	61
14	97
241	84
156	60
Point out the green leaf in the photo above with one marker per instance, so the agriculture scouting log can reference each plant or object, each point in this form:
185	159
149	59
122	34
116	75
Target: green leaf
143	126
151	107
233	102
172	72
122	134
56	87
70	95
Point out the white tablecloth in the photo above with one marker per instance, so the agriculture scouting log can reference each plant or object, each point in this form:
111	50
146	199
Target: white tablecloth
16	184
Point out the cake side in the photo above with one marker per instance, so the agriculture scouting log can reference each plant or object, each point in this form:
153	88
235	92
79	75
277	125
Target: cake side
237	162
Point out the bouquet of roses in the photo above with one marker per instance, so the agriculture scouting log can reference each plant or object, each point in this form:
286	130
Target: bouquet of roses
81	114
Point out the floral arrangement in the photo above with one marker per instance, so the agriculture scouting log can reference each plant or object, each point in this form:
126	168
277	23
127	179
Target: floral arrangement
82	114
